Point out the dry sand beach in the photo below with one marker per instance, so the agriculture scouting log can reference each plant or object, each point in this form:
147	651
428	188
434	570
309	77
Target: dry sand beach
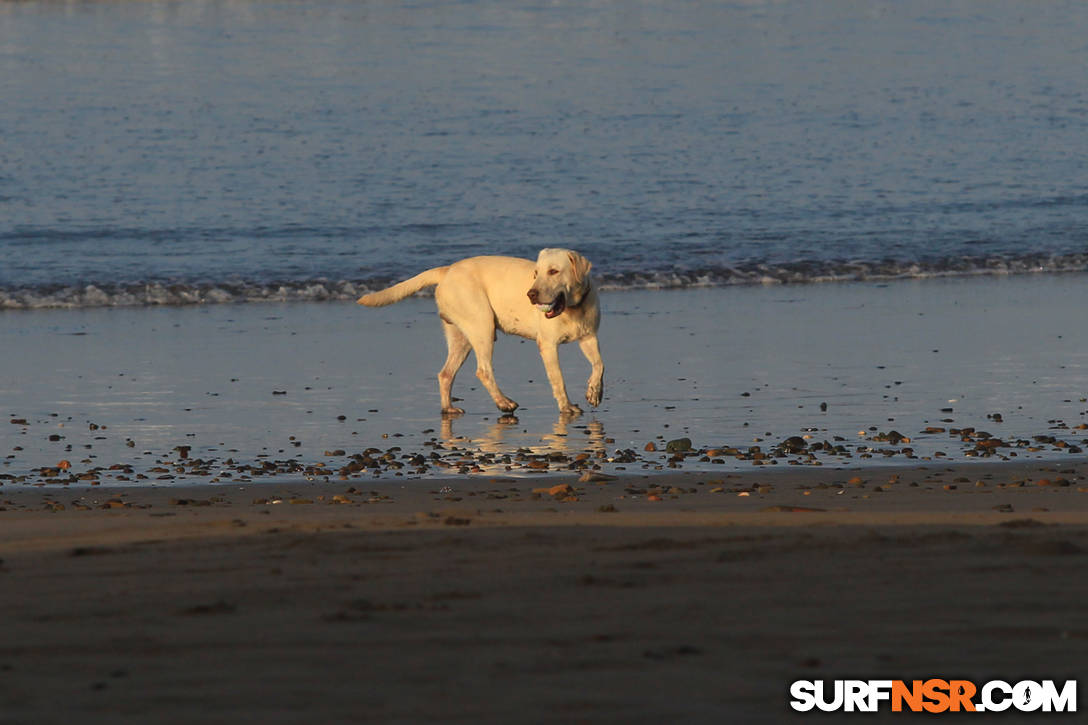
677	598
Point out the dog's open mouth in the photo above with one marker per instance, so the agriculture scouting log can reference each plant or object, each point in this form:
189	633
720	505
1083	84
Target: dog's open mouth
555	308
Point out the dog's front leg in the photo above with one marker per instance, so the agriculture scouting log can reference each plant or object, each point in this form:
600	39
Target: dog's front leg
549	353
595	386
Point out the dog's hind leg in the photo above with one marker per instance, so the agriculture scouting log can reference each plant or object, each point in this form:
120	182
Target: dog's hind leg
459	347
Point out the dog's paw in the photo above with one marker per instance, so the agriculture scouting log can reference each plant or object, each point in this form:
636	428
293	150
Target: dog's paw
451	411
507	406
570	411
594	393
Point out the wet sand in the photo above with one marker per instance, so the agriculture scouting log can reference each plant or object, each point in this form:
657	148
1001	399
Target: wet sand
727	368
682	597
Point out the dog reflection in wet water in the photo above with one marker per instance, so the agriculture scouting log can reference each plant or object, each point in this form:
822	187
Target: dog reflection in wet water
552	301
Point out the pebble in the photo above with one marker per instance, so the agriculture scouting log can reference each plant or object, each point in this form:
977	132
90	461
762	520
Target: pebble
794	444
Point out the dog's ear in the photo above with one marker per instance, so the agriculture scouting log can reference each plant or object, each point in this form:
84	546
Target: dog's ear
581	267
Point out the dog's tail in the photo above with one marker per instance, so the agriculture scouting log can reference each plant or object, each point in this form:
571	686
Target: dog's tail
399	291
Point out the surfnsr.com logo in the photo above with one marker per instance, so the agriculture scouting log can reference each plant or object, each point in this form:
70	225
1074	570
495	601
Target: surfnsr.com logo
933	695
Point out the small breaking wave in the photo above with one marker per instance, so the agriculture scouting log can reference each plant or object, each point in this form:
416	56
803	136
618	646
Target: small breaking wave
177	294
157	293
810	272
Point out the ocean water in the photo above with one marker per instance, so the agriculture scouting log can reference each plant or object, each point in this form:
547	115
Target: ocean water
210	152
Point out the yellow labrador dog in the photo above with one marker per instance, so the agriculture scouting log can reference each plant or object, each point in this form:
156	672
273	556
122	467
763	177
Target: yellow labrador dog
552	301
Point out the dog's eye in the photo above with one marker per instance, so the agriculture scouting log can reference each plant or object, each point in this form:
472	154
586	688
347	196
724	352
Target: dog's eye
553	271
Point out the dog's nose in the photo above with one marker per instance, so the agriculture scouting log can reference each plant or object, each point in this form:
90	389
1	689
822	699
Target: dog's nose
533	294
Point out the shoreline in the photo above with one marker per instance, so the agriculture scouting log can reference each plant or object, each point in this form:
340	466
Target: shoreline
157	294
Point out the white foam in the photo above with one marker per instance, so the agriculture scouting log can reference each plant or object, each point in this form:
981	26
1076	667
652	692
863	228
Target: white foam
159	293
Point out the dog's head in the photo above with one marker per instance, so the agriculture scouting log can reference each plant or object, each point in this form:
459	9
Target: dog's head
560	281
